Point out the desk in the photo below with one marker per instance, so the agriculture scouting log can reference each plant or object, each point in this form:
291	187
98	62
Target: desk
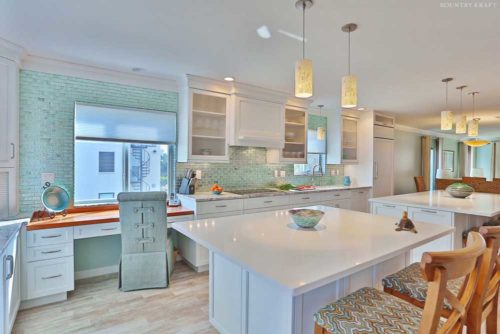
48	248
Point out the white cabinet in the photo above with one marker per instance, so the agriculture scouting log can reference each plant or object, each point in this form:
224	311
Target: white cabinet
343	138
359	200
8	192
257	123
203	127
435	217
391	210
9	112
96	230
383	167
10	285
349	140
340	203
49	277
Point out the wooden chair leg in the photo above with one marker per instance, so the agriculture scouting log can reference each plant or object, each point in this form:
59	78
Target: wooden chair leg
492	319
319	330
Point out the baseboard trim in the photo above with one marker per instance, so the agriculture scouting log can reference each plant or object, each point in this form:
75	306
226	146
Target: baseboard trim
96	272
25	304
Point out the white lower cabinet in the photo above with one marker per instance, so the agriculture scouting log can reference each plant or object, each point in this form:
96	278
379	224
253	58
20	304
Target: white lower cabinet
96	230
10	285
391	210
359	200
344	203
435	217
49	277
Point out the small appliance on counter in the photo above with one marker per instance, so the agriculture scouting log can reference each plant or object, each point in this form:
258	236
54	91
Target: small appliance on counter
188	182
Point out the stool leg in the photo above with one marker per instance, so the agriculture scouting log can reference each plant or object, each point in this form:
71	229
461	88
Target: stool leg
492	319
318	329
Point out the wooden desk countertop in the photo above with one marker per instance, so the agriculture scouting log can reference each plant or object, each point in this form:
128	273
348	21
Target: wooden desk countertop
91	215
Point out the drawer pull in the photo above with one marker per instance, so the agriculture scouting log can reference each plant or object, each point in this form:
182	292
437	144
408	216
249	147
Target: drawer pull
268	201
306	197
221	206
110	228
429	211
51	236
51	277
389	206
52	251
10	258
336	195
361	192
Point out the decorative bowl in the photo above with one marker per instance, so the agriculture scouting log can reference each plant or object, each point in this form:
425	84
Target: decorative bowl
55	198
459	190
306	218
216	192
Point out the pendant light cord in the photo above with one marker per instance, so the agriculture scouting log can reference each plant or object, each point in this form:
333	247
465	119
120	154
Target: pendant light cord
349	52
446	95
304	30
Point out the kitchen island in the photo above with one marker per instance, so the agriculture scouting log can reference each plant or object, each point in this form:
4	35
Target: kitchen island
266	276
440	208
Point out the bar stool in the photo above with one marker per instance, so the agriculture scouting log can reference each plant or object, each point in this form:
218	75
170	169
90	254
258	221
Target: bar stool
372	311
410	285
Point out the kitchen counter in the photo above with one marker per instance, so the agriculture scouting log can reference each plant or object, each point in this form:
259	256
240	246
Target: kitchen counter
92	216
8	231
286	270
478	204
227	195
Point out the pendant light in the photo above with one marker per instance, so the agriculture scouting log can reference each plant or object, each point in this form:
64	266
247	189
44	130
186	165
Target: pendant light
476	142
320	132
473	130
461	126
349	82
304	66
446	115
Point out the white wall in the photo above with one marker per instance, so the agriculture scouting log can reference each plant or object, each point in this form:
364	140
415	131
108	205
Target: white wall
407	161
483	159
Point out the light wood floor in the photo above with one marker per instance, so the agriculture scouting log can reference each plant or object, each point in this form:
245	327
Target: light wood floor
97	306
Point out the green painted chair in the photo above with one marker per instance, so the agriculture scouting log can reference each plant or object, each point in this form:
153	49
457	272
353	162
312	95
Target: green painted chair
147	249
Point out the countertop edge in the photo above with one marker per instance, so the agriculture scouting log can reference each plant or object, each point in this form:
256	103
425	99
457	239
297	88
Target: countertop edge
14	233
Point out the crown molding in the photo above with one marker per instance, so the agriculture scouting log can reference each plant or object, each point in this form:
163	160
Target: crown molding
405	128
48	65
12	51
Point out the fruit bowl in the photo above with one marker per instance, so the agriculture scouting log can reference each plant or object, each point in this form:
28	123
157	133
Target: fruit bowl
459	190
306	218
216	192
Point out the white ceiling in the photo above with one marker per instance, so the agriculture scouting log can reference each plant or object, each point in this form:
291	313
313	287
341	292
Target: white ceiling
400	53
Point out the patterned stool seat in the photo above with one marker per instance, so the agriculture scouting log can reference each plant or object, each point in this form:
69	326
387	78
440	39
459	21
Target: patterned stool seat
411	283
369	311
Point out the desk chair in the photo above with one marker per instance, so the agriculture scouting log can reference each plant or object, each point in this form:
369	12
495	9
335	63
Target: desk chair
147	250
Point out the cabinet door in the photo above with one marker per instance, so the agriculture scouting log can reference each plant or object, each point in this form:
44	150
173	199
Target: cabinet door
340	203
435	217
8	112
258	123
8	192
359	200
390	210
383	164
49	277
349	140
12	277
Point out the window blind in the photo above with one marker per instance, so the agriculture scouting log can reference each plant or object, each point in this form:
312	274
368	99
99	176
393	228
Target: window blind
124	125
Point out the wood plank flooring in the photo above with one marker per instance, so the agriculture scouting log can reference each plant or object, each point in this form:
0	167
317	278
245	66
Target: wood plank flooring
97	306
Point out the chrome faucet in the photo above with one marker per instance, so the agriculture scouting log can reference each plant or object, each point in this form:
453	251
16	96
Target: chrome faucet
314	173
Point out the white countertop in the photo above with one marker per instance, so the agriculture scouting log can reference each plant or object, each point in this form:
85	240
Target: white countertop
304	260
478	204
208	196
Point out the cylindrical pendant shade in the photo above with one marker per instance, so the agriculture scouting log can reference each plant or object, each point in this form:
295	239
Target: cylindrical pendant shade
461	126
320	133
446	120
473	128
303	78
349	91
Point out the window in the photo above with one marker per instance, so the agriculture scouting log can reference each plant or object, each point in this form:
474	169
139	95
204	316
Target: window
106	162
120	150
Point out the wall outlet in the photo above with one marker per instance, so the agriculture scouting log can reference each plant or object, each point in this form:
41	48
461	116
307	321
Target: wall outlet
282	173
276	173
332	172
48	177
198	174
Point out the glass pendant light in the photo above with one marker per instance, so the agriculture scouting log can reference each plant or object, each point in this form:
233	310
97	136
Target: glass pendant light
320	132
349	82
446	115
473	130
461	126
304	67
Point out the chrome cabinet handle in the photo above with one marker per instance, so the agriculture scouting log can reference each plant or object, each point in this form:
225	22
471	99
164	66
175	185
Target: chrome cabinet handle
221	206
336	195
306	197
13	155
109	229
51	236
51	277
52	251
389	206
429	211
10	258
268	201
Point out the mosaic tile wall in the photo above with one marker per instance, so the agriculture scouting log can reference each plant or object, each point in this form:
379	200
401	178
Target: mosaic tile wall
46	123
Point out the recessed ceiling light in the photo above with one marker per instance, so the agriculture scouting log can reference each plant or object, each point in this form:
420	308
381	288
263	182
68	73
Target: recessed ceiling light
361	109
229	78
263	32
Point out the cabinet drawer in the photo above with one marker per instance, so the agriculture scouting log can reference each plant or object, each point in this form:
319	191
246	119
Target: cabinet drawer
344	203
307	198
50	236
360	193
339	194
219	206
49	252
97	230
266	202
431	216
391	210
49	277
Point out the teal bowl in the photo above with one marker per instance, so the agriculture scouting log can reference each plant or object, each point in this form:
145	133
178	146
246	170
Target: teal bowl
216	192
55	198
459	190
306	218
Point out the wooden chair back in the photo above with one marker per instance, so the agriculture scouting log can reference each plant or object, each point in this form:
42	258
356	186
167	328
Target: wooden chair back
484	303
420	183
439	268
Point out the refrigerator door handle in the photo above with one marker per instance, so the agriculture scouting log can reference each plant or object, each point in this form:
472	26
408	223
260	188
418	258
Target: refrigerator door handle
375	168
